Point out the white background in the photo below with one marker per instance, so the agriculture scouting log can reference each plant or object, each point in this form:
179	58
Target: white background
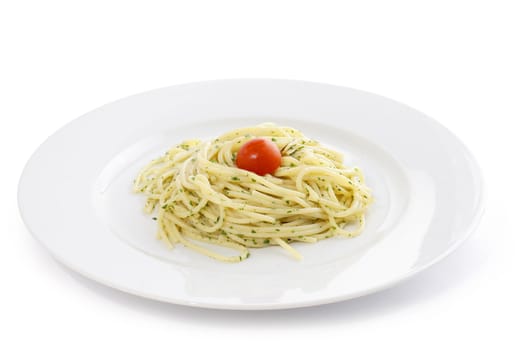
461	62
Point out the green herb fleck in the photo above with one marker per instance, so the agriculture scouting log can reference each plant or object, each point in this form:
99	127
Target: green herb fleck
235	178
266	241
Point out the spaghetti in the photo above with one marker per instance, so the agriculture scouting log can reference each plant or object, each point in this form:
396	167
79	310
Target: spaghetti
201	196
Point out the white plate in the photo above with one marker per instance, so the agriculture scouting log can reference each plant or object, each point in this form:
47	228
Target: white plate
75	197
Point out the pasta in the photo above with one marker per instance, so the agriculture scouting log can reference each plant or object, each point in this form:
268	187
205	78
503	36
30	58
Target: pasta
201	196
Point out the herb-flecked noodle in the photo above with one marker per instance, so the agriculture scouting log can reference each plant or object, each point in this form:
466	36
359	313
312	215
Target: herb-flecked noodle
201	196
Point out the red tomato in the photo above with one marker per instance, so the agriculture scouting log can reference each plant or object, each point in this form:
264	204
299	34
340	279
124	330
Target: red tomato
259	156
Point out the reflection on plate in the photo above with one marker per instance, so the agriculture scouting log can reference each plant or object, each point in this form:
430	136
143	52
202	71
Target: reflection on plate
75	194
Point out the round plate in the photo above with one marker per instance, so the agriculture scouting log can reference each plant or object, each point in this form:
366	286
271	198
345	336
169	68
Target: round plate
75	194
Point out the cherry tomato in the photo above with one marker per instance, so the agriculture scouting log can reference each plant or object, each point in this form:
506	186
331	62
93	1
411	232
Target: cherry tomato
259	156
